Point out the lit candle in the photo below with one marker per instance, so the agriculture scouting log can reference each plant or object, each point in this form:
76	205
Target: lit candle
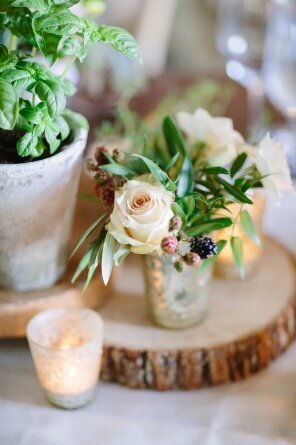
224	264
66	346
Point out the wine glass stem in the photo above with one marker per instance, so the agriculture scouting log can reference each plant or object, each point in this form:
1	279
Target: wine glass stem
255	103
292	149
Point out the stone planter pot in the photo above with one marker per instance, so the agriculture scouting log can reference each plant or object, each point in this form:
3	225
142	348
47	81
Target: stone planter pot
37	201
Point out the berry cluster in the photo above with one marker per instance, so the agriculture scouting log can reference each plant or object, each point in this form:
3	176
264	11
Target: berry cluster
190	251
104	183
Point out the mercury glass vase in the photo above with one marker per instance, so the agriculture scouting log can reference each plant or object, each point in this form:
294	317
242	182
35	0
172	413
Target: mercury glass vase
176	299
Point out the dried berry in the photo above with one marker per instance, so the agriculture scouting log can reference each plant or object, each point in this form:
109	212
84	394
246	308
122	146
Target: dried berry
101	177
100	155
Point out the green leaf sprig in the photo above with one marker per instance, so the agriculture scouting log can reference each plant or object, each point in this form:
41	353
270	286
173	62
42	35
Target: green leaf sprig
32	97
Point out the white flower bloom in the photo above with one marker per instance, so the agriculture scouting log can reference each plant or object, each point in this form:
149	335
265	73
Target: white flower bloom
271	162
217	132
141	215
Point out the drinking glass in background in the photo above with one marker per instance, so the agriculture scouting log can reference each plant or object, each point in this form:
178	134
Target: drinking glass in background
279	71
240	39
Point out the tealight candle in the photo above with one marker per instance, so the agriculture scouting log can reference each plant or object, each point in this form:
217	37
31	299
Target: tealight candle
66	346
224	265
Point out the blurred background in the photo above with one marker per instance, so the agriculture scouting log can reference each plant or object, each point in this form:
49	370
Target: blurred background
250	44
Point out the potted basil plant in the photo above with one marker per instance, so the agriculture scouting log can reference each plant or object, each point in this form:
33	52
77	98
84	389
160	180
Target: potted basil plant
41	141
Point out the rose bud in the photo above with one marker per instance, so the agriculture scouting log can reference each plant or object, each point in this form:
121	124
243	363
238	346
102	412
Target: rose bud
175	223
169	244
192	259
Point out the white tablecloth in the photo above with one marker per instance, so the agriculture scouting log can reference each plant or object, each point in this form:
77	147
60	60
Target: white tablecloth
258	411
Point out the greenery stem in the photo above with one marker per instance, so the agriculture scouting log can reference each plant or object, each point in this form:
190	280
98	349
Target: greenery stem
69	64
12	43
236	220
33	52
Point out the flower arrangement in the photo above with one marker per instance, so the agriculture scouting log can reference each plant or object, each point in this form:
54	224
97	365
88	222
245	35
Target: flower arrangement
169	197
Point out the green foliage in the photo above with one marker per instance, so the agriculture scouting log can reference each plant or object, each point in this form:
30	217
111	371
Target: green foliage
248	226
107	257
32	97
238	254
199	192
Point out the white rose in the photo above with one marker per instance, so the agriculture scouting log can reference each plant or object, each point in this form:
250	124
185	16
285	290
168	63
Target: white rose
217	132
141	215
271	162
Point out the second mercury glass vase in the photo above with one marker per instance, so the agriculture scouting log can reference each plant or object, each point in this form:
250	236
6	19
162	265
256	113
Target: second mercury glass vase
176	299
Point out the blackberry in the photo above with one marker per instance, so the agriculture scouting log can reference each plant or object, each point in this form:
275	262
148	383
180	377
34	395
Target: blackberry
203	246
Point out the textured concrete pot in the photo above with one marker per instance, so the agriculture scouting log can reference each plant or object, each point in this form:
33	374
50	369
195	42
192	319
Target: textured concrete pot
37	201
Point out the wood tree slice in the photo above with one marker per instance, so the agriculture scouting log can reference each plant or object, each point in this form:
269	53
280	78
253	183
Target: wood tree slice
17	308
248	324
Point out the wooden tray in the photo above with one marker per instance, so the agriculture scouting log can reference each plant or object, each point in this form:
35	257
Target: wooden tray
248	325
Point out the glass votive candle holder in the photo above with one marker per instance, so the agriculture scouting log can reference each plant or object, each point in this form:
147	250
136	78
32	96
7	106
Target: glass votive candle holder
66	346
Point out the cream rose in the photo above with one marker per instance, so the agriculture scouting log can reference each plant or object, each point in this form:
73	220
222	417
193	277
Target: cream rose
141	215
217	132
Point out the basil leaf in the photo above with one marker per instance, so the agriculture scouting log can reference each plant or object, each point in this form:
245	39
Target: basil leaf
8	105
51	133
64	128
60	23
7	60
27	144
75	119
52	94
119	39
20	79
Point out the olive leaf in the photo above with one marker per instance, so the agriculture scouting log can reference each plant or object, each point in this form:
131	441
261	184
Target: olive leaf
120	254
210	226
186	179
107	257
248	226
236	244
